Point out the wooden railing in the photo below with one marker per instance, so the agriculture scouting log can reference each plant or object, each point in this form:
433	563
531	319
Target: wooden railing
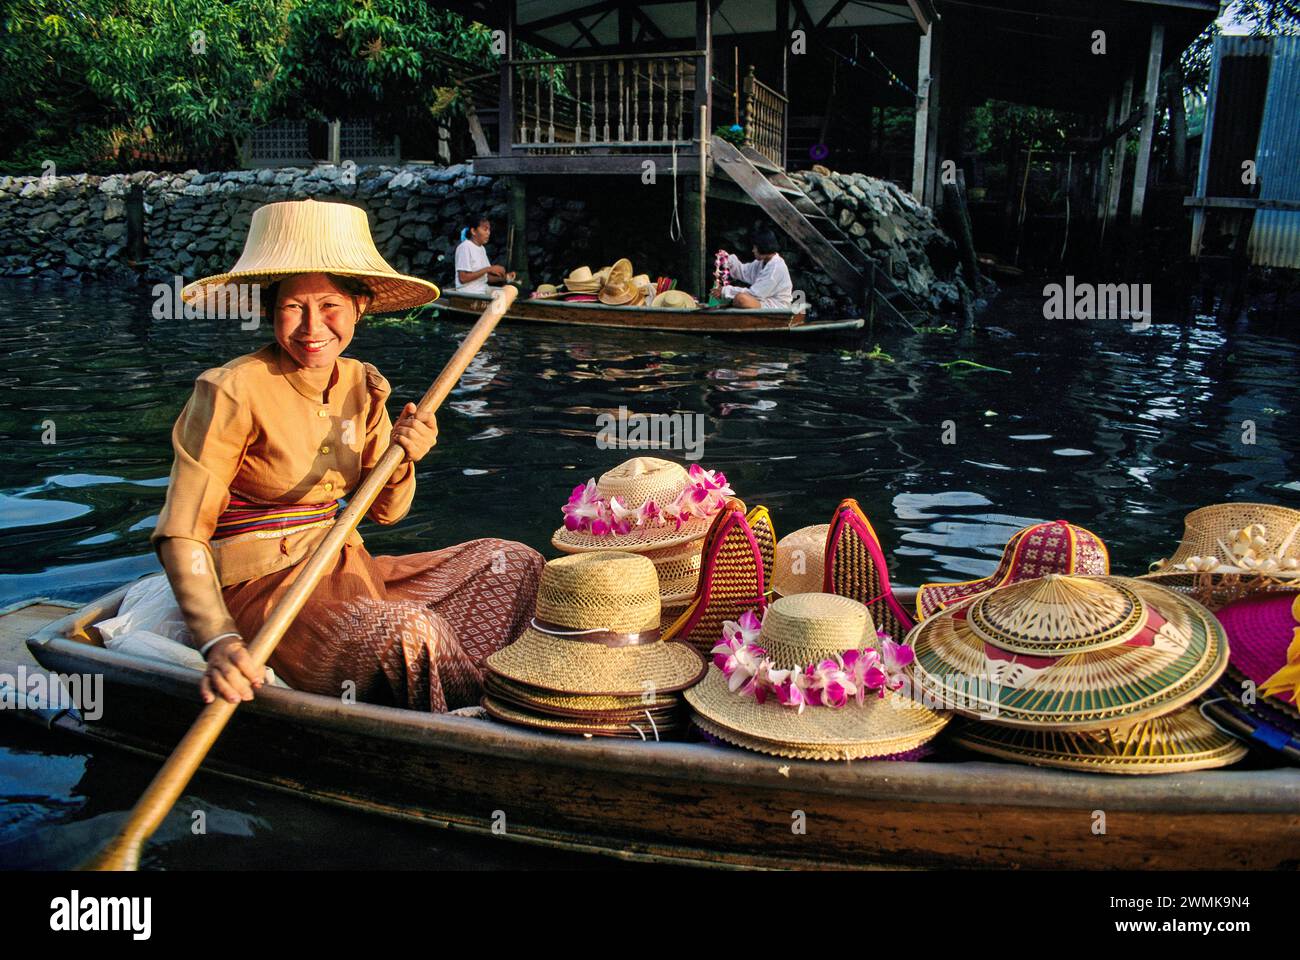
765	119
580	104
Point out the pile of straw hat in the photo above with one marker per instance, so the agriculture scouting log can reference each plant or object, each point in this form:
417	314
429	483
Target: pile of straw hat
674	551
592	661
1082	672
799	631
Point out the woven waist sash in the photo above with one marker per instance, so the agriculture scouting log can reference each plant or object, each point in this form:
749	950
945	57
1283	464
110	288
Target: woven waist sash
271	519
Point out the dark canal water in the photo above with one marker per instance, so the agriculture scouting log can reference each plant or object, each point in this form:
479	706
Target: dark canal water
1120	431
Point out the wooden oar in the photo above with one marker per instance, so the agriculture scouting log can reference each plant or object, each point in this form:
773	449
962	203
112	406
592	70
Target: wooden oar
123	852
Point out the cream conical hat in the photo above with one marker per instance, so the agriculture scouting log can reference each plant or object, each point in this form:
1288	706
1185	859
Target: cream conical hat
306	236
1069	653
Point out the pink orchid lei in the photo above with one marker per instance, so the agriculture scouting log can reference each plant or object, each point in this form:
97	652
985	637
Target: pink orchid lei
702	497
721	269
827	683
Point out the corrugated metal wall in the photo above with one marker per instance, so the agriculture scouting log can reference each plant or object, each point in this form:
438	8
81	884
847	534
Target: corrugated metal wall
1254	113
1275	240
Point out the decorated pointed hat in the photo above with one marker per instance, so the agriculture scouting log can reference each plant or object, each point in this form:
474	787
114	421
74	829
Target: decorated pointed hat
808	682
1033	551
1176	742
307	236
645	503
1069	653
596	631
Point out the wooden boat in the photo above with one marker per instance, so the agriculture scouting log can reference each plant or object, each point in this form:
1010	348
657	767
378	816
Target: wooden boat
534	310
679	802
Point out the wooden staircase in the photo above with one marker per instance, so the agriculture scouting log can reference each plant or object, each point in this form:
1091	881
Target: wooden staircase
816	234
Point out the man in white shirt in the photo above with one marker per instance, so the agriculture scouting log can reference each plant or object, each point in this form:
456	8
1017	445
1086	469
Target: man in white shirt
767	276
473	268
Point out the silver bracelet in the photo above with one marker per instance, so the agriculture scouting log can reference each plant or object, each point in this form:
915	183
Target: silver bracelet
203	650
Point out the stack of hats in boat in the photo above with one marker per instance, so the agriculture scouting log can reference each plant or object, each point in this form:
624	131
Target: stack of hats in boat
616	286
1078	672
653	507
592	661
811	679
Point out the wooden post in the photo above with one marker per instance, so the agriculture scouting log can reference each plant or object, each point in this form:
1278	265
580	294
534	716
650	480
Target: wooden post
704	62
1101	187
1121	148
517	232
335	142
697	194
932	196
922	117
1149	95
506	103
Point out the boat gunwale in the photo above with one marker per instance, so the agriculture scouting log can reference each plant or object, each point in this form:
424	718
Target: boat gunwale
972	782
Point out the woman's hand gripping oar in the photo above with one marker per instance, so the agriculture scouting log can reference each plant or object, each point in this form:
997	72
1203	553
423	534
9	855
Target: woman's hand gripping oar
123	852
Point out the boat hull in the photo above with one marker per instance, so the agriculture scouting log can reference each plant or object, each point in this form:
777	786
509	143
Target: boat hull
649	318
693	803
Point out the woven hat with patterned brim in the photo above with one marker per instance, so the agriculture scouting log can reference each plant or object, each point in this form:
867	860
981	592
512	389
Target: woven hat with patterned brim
1069	653
297	237
596	631
1033	551
546	291
1176	742
675	300
639	484
647	727
798	631
799	558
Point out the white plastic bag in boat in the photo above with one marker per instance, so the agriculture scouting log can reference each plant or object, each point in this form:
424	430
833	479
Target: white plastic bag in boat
149	624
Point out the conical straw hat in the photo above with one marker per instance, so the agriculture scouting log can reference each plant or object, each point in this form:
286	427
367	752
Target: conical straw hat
306	236
799	559
797	631
1070	653
1175	742
596	631
635	482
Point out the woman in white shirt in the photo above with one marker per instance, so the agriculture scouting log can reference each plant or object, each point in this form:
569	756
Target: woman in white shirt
767	276
473	268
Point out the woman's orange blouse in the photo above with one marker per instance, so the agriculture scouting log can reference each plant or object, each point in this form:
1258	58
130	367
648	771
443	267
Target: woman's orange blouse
255	429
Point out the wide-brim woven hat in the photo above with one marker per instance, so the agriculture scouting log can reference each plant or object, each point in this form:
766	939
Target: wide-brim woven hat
541	701
805	629
799	561
646	727
1236	539
1264	646
581	280
678	569
297	237
1070	653
675	300
596	631
1176	742
1033	551
635	482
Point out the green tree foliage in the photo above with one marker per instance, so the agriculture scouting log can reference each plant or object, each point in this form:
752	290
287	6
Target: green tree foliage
100	83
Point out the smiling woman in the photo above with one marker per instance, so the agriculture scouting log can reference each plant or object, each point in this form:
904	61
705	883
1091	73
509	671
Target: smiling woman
264	450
